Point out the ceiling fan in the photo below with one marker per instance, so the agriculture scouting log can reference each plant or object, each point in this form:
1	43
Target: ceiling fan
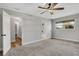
50	7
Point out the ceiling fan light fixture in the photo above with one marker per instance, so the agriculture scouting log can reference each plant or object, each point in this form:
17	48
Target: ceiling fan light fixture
51	11
51	7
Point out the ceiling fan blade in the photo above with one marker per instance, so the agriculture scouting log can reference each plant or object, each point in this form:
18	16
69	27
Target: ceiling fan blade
42	12
61	8
54	4
42	7
51	5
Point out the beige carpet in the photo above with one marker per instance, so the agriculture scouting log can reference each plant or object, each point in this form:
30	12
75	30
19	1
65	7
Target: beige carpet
50	47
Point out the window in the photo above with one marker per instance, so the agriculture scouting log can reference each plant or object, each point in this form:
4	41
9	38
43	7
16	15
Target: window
59	25
67	24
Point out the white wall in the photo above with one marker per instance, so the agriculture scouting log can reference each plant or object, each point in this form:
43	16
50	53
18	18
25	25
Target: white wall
32	29
12	27
67	34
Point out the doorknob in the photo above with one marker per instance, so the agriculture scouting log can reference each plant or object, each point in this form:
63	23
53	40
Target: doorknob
3	34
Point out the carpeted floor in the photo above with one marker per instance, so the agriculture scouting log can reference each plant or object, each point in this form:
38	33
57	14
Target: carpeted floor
50	47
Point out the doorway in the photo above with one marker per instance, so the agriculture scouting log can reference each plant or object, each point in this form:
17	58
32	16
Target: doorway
16	33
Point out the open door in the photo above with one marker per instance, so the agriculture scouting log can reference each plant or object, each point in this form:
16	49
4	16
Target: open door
6	32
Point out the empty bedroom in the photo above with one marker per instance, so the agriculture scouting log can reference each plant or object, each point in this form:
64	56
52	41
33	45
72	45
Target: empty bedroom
39	29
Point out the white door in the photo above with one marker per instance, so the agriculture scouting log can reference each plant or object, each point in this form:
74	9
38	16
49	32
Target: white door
46	34
6	33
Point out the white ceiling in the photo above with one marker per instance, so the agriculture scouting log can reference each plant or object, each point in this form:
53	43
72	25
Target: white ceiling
32	9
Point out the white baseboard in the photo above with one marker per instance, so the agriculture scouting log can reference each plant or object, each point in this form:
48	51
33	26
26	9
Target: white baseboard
77	41
33	41
6	50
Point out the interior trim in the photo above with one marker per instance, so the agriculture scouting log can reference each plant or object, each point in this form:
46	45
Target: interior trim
77	42
33	41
